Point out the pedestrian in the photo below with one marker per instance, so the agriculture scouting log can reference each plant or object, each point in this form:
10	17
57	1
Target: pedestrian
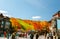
13	36
32	35
50	35
37	35
47	36
4	33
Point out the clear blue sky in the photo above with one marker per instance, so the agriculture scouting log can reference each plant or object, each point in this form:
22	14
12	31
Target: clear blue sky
26	9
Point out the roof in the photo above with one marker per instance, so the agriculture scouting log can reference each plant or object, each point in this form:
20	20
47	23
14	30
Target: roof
57	13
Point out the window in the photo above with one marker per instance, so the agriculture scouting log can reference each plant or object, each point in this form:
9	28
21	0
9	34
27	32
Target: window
7	24
58	23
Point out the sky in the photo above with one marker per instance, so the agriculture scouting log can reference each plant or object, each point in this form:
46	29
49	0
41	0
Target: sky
30	9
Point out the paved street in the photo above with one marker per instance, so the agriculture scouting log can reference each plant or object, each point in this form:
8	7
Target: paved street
40	37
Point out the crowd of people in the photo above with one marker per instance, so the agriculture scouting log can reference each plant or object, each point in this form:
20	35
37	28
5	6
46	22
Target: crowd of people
47	35
35	34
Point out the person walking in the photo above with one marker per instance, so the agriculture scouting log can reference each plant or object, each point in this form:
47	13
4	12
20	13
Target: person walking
32	35
50	35
4	33
37	35
13	36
